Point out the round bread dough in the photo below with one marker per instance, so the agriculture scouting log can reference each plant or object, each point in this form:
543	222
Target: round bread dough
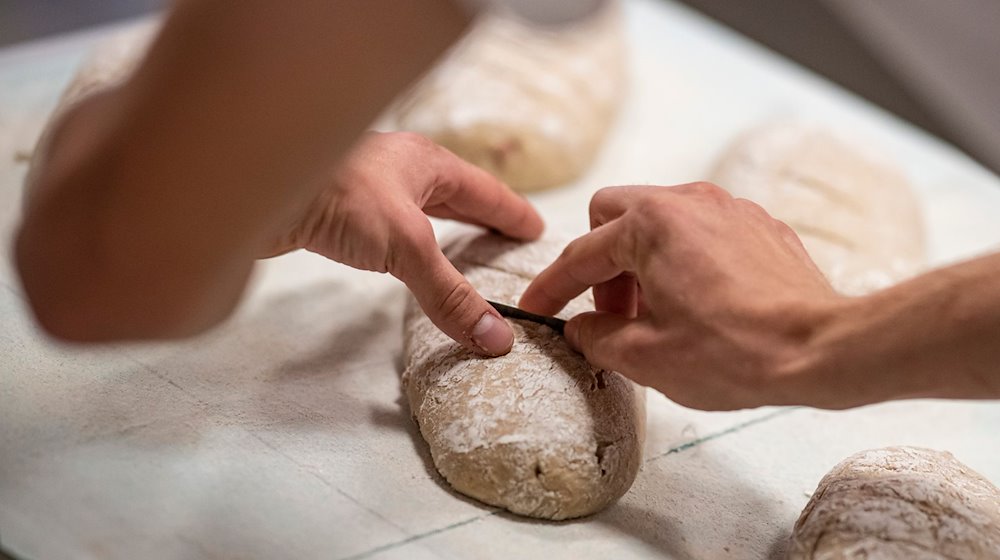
904	503
855	213
539	431
529	104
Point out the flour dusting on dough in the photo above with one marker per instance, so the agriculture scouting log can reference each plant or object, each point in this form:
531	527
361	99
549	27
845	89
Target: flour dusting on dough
539	431
900	503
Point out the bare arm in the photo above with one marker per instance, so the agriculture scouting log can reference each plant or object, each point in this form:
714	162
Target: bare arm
716	304
156	197
937	335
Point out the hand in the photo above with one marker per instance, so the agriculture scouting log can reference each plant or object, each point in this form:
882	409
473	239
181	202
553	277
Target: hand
700	295
373	216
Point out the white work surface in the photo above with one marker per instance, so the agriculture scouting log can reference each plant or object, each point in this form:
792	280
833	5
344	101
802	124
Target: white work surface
282	434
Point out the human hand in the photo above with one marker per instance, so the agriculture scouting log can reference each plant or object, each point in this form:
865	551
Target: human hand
700	295
373	216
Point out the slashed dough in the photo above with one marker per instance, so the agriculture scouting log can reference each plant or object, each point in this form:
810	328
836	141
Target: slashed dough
531	105
538	431
855	212
904	503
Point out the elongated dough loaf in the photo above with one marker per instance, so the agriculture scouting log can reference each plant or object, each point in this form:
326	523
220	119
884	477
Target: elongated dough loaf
531	105
538	431
856	214
903	503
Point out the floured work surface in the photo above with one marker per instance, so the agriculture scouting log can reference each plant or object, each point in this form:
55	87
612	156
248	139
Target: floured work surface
283	433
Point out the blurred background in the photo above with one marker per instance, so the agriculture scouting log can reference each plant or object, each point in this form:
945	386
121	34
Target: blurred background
935	63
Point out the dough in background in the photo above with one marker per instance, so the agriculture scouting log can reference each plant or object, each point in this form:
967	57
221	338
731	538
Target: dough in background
532	105
539	431
854	210
904	503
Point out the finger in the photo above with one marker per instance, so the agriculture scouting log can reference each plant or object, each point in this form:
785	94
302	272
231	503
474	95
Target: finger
792	239
609	203
445	213
607	340
619	295
703	189
597	257
450	302
641	307
475	196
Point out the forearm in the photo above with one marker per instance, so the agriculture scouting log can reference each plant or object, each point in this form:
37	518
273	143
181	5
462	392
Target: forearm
153	204
935	336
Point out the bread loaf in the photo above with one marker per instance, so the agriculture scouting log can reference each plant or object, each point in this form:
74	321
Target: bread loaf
539	431
855	212
901	503
531	105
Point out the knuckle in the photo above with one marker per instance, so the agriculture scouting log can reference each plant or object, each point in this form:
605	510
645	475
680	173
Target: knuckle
706	188
405	142
602	197
749	205
411	241
654	212
416	140
458	301
786	231
571	249
597	208
703	191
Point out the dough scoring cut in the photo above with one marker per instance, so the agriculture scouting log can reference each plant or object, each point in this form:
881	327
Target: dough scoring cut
854	211
904	503
529	104
539	431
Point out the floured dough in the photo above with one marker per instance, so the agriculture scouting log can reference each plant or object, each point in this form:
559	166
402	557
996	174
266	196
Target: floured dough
538	431
903	503
531	105
856	214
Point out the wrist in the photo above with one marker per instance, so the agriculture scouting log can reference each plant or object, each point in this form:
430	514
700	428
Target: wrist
826	368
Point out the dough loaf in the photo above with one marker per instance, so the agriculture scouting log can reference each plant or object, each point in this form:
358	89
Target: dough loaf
539	431
856	215
903	503
531	105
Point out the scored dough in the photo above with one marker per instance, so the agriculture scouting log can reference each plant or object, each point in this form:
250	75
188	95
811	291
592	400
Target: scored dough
856	215
531	105
539	431
903	503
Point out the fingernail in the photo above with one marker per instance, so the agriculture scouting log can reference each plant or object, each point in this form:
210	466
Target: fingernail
493	335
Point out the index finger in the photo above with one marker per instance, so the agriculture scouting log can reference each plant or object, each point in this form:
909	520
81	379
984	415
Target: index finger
609	203
592	259
473	195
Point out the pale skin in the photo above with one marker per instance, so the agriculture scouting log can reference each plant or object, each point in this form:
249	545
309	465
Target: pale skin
236	139
711	301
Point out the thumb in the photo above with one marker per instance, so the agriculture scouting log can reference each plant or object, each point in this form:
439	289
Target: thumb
607	340
455	307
